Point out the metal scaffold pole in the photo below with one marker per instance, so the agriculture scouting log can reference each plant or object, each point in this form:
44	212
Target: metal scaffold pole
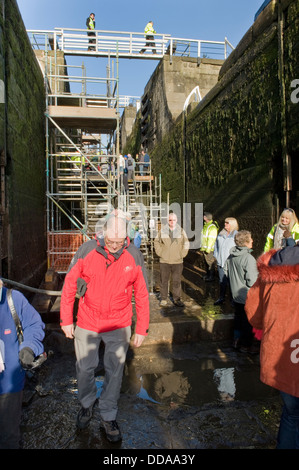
82	146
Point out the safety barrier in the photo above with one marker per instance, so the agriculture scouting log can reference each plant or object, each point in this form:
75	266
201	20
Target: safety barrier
126	44
61	248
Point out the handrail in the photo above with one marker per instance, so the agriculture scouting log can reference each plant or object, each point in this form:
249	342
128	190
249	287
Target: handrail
128	44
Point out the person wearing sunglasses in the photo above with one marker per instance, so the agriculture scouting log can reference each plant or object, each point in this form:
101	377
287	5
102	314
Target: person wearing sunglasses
286	227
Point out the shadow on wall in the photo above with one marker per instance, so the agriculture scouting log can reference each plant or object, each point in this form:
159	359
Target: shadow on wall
247	197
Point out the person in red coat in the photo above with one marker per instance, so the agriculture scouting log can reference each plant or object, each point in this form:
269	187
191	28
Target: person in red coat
272	305
105	271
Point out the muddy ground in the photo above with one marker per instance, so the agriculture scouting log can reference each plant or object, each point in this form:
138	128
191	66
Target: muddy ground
177	397
182	395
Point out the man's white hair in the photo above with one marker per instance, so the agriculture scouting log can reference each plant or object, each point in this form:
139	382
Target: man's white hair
115	227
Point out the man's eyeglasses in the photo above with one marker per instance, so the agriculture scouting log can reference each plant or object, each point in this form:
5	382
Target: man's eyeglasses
111	243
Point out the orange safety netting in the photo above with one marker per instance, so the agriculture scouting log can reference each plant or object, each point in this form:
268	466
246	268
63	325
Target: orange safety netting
61	248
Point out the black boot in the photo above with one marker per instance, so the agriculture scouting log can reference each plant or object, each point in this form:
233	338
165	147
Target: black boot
210	276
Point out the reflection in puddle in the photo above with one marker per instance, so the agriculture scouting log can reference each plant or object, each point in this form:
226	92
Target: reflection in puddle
198	382
143	393
225	382
99	384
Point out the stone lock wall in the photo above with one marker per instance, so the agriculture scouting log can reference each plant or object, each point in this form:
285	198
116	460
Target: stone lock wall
22	144
228	152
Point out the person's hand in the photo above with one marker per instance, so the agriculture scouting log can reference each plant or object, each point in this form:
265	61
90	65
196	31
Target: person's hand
287	234
26	357
138	340
68	330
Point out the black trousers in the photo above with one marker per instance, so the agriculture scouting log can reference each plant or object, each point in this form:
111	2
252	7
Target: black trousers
242	327
91	41
10	418
150	42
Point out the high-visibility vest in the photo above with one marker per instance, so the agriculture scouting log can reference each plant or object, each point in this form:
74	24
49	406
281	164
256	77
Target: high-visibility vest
270	237
91	23
149	29
208	236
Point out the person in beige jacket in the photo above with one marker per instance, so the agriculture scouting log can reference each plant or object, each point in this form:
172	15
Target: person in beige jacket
171	245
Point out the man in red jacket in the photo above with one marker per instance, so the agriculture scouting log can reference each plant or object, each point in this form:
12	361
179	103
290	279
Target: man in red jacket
105	271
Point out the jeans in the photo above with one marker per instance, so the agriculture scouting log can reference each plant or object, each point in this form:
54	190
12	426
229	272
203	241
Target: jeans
223	282
288	434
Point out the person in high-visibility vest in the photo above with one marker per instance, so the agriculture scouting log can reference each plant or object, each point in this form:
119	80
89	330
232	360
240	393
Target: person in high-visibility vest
91	25
149	37
286	227
208	239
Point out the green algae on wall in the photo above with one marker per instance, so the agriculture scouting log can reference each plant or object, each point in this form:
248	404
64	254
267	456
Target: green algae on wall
227	153
25	154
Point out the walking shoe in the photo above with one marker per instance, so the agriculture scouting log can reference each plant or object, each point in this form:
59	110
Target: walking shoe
179	303
112	430
84	416
163	303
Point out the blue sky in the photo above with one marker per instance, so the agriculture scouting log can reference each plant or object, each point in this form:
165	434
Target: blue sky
191	19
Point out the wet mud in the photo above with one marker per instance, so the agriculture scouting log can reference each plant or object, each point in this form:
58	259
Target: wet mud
175	395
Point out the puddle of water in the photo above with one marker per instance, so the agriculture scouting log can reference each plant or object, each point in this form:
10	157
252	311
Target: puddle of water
143	393
198	382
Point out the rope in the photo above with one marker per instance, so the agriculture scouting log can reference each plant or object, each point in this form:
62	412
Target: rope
32	289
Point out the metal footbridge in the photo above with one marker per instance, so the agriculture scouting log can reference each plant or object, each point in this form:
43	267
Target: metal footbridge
127	45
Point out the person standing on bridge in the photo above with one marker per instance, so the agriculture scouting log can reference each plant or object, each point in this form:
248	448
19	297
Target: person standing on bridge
149	37
91	25
106	269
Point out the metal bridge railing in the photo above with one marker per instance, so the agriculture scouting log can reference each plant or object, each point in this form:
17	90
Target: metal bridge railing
126	44
89	91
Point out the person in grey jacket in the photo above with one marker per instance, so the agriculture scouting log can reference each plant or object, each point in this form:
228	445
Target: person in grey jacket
241	269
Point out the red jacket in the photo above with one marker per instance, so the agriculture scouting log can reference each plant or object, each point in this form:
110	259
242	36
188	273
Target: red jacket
109	280
273	305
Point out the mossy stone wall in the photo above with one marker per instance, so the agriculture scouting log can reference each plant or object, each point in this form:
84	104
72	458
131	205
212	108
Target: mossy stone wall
227	153
23	129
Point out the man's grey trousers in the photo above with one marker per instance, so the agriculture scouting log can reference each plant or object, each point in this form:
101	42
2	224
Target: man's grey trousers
87	345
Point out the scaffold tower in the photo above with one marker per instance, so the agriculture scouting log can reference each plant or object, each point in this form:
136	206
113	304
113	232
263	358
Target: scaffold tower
84	179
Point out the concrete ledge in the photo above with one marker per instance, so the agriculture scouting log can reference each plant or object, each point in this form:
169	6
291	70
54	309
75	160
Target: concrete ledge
178	331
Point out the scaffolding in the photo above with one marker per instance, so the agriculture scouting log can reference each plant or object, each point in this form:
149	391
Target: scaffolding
83	175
